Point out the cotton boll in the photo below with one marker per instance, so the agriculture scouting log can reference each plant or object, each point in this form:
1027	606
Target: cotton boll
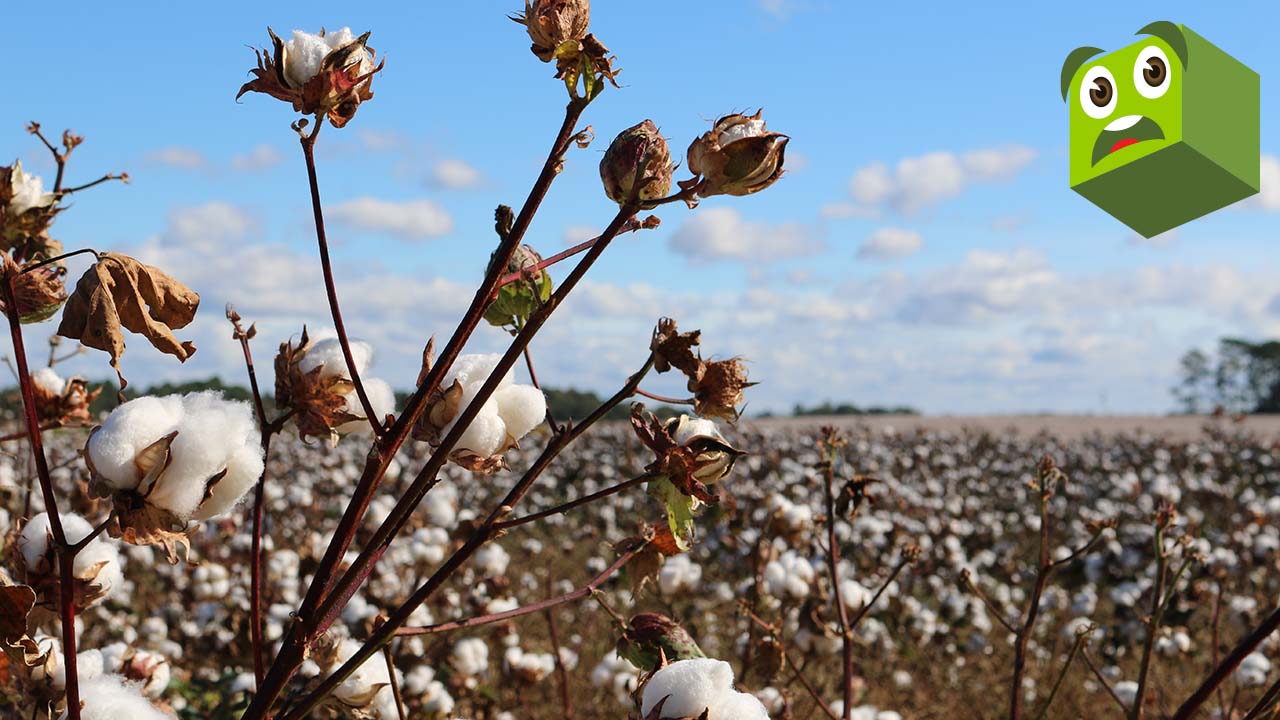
127	430
97	563
48	380
739	706
1253	670
327	354
470	656
486	433
109	697
475	369
243	470
692	686
692	427
679	574
492	560
522	408
362	686
306	53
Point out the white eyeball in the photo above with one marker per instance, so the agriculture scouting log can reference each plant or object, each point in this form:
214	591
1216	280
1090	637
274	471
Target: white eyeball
1151	72
1098	92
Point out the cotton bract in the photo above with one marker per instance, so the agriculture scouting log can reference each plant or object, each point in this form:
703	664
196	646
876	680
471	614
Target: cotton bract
692	686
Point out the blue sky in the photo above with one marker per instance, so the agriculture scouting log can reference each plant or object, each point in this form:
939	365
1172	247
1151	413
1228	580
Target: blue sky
923	249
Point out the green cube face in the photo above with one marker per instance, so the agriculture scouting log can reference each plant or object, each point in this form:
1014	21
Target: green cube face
1162	131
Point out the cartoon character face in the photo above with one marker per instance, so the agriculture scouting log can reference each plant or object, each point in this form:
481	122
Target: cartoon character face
1162	131
1123	106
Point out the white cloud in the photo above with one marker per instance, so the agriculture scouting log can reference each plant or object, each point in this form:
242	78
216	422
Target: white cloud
1268	198
408	220
888	243
261	157
919	182
175	156
722	234
455	175
382	140
575	234
1161	241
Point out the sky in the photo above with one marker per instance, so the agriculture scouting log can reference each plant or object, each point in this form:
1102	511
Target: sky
924	247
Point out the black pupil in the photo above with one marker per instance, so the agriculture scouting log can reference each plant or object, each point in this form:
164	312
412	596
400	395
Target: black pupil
1155	72
1100	95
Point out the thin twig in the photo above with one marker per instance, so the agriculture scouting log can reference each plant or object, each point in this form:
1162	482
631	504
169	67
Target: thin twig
565	507
326	267
1062	675
799	671
1228	665
562	673
395	684
1102	679
833	566
664	399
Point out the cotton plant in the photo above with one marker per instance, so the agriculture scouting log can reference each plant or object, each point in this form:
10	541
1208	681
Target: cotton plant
690	688
165	462
314	382
111	697
97	570
366	694
508	415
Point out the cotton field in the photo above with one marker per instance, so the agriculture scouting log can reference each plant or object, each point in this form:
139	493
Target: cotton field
943	545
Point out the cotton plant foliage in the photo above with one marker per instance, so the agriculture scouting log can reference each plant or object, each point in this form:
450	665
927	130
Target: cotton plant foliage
167	461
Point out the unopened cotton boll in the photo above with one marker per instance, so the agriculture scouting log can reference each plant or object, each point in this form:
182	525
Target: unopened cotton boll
690	687
110	697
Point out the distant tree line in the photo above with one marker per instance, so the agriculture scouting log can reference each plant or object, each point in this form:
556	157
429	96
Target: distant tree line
829	408
1243	377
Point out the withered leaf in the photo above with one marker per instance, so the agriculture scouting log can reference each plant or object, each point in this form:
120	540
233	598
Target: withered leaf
118	291
16	601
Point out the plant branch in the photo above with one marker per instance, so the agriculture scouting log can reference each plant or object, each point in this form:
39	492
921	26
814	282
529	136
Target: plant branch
776	632
663	399
326	267
1228	665
833	566
1062	675
66	551
565	507
124	177
1106	684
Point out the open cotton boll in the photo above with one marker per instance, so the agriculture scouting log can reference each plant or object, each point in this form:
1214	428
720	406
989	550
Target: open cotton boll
48	380
210	433
109	697
692	686
35	540
521	407
361	687
327	353
127	430
381	397
306	52
243	470
28	190
97	563
696	427
473	369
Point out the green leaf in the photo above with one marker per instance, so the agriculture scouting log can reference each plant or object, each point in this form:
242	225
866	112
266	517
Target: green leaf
679	511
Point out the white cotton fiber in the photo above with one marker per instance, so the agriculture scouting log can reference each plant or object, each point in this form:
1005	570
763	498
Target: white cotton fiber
327	353
521	407
306	52
381	397
739	706
213	434
690	686
485	435
472	369
368	679
470	656
211	431
691	427
109	697
34	543
128	429
48	380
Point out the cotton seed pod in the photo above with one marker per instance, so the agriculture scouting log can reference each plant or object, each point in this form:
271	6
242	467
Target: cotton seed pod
62	401
637	166
97	569
651	638
551	23
312	380
738	156
322	74
39	292
713	456
26	210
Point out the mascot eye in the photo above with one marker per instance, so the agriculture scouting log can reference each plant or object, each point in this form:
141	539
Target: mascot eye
1098	92
1151	72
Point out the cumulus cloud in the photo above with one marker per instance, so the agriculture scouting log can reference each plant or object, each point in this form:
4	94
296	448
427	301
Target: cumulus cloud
1268	198
455	175
175	156
915	183
260	157
723	234
888	243
408	219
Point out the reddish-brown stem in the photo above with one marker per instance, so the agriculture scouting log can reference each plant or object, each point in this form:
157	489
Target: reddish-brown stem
395	684
972	586
1043	571
99	181
308	153
485	532
1217	642
58	258
663	398
897	570
58	157
427	477
301	632
1228	665
799	670
562	673
565	507
23	434
833	566
1153	624
66	551
255	563
1106	684
537	607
